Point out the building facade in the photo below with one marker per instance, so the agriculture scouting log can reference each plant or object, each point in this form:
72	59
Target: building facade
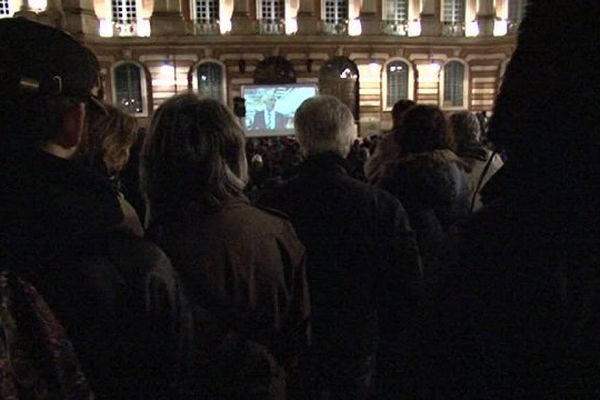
370	53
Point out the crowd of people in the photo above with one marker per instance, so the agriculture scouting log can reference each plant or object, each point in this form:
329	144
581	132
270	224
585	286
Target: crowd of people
192	262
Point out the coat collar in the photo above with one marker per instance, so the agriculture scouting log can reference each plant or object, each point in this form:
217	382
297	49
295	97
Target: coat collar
327	162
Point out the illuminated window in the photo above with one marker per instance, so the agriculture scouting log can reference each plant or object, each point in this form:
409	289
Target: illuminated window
397	10
128	88
336	16
124	16
5	8
397	82
272	15
454	85
209	80
453	11
396	17
453	17
206	16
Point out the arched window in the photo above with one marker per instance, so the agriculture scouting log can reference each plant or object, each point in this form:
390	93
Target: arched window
454	94
453	17
208	80
339	77
272	16
398	82
516	13
396	17
206	16
5	8
129	88
124	17
335	16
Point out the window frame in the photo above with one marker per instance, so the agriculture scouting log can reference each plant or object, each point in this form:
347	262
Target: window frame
143	86
138	18
385	83
194	11
386	7
9	5
342	24
466	80
194	77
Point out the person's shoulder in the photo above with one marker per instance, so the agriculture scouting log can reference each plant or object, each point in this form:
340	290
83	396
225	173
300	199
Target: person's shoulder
137	258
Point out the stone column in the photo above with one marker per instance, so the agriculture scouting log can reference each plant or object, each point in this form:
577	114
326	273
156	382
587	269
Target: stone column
485	17
430	18
167	18
309	17
80	17
243	19
370	17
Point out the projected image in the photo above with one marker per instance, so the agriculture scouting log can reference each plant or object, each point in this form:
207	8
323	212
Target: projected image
270	108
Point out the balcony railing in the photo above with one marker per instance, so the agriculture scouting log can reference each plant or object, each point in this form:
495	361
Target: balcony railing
395	27
206	27
335	28
124	29
453	29
271	26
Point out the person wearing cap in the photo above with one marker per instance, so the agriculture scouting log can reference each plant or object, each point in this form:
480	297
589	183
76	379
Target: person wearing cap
62	225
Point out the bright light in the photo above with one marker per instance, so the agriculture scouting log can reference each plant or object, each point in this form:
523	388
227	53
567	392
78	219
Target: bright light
500	27
143	28
38	4
225	26
354	27
414	28
472	29
346	74
291	26
106	28
167	72
374	65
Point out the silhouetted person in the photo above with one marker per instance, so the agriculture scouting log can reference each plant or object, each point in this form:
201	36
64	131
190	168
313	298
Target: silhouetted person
64	230
363	264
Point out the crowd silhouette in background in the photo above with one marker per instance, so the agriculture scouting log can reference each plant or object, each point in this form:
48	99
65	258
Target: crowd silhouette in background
452	257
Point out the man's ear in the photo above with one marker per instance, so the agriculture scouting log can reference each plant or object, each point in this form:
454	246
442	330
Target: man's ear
72	127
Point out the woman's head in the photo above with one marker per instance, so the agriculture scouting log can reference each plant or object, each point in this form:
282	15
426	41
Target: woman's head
194	151
424	129
108	139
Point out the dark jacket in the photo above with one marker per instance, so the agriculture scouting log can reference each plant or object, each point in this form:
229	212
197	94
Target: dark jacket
516	317
117	295
433	189
244	271
363	261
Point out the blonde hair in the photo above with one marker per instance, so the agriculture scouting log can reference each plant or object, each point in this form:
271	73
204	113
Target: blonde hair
108	139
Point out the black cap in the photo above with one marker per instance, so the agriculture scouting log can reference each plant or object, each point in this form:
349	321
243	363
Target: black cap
38	59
